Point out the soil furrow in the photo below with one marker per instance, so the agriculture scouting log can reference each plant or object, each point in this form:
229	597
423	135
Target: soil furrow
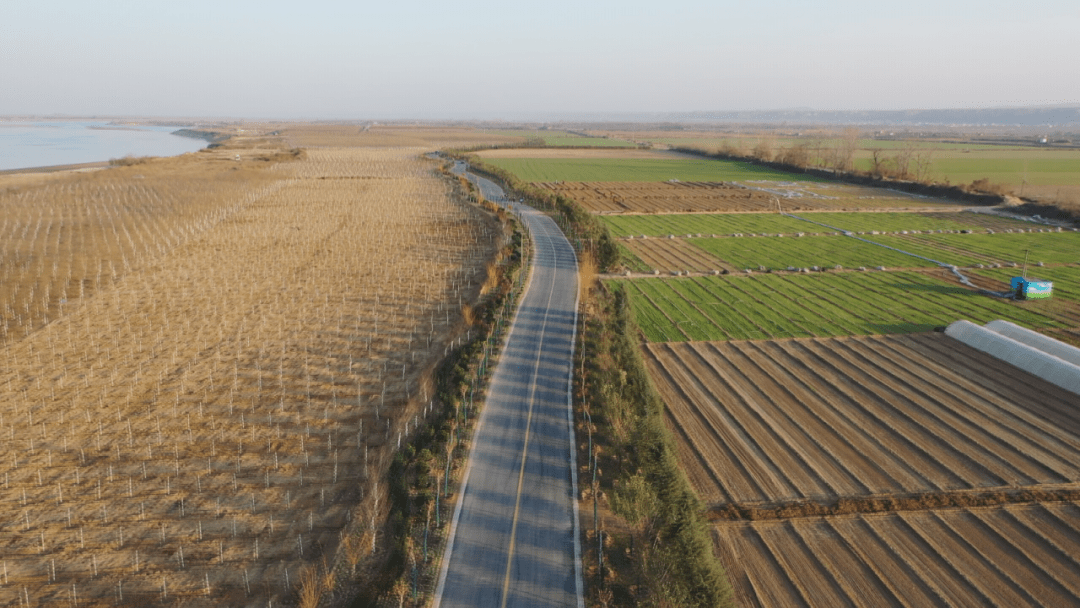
1000	443
917	423
815	455
826	434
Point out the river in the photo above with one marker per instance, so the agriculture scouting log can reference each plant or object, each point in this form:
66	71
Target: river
67	142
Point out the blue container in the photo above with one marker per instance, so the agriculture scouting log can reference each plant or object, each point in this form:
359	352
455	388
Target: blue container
1031	288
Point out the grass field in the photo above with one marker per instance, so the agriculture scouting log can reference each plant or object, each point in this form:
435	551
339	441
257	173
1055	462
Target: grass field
774	306
637	170
772	223
563	138
1007	165
824	251
968	249
720	223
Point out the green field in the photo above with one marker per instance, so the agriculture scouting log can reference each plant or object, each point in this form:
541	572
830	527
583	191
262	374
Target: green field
896	222
957	162
562	138
1011	166
968	249
1066	278
782	306
637	170
772	223
719	223
825	251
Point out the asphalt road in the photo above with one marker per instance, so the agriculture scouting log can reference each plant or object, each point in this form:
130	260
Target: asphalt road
514	534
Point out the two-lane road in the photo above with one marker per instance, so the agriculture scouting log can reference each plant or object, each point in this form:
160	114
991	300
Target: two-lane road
514	537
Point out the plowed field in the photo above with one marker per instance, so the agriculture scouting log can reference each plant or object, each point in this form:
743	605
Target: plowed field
817	419
1018	555
872	427
673	254
697	197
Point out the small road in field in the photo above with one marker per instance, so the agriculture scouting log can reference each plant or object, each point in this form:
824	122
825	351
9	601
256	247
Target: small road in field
514	537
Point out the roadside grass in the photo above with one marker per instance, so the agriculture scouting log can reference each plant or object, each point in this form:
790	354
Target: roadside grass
821	305
637	170
646	526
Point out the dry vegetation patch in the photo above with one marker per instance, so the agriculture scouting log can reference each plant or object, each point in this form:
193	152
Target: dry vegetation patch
369	135
205	422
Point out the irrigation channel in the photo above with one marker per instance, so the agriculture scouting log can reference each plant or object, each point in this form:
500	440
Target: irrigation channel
952	267
514	538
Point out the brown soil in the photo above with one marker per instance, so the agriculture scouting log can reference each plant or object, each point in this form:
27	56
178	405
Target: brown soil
724	197
878	471
668	255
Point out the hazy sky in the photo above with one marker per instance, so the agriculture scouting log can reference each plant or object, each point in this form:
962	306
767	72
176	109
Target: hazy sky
506	58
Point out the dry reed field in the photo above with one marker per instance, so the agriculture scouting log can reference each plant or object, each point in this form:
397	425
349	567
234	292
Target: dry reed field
203	421
363	135
65	235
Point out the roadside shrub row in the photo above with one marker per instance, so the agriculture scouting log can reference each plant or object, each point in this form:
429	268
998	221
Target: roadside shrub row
664	547
425	474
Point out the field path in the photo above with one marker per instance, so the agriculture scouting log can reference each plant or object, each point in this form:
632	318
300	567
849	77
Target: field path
514	539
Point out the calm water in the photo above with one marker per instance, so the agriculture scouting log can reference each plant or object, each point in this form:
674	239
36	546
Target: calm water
41	144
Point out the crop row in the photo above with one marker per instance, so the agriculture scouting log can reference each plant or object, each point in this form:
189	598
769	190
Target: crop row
780	253
780	306
772	223
1061	248
635	170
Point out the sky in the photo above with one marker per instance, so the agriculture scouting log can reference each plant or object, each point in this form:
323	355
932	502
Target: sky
508	59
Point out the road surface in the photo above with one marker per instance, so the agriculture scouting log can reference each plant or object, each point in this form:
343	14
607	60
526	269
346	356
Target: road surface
514	536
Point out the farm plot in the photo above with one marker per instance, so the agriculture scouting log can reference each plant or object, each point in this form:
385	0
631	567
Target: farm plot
777	421
661	197
778	253
1050	248
971	249
204	427
822	305
1019	555
706	224
821	194
687	169
774	223
710	196
898	222
669	255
